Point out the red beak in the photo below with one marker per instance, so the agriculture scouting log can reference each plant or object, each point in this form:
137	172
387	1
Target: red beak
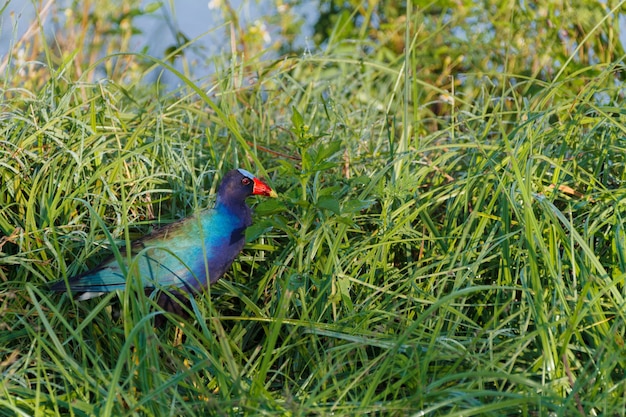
261	188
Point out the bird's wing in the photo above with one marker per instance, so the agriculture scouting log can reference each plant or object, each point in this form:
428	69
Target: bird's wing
168	256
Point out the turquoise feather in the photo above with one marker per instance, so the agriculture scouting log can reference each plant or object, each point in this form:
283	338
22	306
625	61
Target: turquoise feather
189	254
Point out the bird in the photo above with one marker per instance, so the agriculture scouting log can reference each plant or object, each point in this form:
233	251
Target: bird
184	257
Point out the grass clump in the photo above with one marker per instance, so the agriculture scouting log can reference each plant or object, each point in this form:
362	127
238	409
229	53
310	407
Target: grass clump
447	246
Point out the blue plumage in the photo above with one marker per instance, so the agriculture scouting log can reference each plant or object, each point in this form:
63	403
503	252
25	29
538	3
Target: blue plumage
187	255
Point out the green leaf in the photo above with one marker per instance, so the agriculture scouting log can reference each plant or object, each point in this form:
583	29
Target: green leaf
152	7
353	206
257	230
296	119
329	202
324	152
268	207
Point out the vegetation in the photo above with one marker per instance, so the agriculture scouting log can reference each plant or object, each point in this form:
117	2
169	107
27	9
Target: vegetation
448	239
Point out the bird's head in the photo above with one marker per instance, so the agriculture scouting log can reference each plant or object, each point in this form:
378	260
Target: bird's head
258	186
239	184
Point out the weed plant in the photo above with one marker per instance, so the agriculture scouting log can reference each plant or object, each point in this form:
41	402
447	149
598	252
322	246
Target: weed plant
437	249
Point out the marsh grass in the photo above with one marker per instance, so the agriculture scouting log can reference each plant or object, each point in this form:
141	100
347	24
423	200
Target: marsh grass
461	261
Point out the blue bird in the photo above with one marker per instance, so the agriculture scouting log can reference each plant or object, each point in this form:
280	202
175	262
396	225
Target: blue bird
185	256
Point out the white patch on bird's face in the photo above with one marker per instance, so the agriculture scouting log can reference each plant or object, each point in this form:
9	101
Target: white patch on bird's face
245	173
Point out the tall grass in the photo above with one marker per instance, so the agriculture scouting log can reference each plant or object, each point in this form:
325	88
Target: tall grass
436	249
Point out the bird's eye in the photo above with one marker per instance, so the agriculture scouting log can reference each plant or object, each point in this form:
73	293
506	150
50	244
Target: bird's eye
246	181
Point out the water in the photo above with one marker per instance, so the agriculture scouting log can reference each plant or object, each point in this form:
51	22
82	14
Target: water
195	19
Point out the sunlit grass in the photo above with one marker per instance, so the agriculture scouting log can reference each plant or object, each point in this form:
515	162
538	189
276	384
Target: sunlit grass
477	269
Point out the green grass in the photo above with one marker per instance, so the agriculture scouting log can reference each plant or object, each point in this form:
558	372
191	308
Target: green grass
437	248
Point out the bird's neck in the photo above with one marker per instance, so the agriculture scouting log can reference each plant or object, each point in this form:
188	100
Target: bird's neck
237	210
